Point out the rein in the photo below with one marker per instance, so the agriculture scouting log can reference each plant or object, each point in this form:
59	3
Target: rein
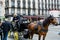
42	28
46	22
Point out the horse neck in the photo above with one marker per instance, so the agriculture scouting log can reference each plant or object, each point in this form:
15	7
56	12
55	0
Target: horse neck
46	23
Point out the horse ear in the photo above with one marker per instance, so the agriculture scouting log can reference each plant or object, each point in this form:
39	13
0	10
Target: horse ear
50	15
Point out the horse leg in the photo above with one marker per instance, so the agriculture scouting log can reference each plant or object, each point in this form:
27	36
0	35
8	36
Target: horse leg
39	38
31	35
44	36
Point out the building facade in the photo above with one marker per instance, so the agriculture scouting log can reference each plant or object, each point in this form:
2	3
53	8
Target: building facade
31	7
2	9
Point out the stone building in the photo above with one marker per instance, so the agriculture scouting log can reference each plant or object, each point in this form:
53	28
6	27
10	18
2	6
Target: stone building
30	7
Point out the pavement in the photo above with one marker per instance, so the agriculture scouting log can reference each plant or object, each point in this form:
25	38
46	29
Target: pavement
51	35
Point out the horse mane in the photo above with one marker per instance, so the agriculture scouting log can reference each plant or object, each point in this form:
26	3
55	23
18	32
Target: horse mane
47	20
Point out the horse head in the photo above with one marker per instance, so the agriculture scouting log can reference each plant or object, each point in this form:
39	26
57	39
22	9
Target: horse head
52	19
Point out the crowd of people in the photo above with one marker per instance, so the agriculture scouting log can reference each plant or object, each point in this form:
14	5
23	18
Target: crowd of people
5	26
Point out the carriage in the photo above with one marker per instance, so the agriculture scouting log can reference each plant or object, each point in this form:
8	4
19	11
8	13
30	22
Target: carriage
26	24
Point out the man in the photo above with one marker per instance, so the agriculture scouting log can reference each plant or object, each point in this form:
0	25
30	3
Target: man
6	27
16	20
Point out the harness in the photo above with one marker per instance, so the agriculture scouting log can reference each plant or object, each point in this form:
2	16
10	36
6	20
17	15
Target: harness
42	27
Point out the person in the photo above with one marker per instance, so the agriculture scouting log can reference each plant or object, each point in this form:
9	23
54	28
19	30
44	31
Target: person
16	20
1	29
6	27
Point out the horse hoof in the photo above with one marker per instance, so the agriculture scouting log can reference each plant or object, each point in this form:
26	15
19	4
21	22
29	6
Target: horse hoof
29	39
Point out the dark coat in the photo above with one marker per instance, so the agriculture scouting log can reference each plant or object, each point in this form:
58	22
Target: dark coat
16	18
1	29
6	25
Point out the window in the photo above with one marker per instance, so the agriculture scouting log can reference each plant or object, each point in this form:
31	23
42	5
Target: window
33	11
40	12
7	11
13	3
29	11
28	3
24	11
18	3
48	4
18	11
58	4
0	8
34	4
40	6
6	3
24	3
51	2
12	10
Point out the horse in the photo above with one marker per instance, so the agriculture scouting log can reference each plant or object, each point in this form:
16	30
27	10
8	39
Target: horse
42	28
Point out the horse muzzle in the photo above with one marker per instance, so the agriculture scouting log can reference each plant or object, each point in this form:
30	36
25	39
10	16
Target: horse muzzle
55	24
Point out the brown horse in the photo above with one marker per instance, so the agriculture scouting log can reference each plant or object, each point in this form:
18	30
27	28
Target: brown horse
42	28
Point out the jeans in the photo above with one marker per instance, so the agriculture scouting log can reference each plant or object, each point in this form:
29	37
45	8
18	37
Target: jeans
5	35
1	35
